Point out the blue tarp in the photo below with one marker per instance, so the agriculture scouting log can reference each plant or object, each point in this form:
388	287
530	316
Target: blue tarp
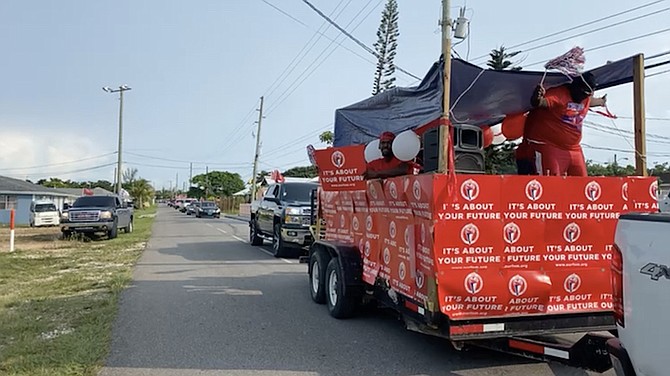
492	95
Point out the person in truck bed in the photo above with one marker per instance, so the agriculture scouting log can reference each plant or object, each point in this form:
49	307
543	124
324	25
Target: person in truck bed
388	166
554	126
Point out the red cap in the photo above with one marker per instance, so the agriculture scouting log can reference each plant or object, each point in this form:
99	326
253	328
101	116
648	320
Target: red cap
387	136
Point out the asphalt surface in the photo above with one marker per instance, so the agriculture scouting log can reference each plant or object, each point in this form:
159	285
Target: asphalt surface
204	302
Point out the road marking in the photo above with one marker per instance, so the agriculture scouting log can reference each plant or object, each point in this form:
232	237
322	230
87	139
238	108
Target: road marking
221	230
240	239
210	225
263	250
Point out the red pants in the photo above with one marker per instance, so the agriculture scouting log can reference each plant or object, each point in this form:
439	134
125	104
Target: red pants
551	160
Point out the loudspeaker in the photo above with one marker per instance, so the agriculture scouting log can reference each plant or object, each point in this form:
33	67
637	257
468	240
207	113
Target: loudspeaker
468	149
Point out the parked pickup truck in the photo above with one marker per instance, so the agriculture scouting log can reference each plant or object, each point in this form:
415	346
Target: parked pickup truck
97	214
283	215
641	282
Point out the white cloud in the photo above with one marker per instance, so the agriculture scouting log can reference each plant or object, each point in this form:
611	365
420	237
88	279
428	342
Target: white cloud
27	154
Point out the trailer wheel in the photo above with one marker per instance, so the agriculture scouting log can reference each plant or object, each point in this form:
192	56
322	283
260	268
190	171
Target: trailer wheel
340	304
318	264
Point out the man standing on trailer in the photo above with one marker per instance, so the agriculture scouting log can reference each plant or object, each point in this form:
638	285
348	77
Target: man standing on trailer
388	165
554	126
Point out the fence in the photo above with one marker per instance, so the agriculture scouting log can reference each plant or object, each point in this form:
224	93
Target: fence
230	205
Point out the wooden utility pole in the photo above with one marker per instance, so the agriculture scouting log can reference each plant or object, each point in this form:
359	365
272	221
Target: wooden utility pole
639	116
444	134
257	153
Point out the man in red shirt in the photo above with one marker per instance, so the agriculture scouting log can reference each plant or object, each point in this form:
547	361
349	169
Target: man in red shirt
387	166
554	126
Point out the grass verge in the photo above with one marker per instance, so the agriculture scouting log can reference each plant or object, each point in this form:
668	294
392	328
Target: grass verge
57	305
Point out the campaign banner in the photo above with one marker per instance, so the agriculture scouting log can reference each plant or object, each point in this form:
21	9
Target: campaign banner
464	244
419	193
360	199
476	198
580	290
371	248
377	202
423	255
641	194
341	169
400	236
396	196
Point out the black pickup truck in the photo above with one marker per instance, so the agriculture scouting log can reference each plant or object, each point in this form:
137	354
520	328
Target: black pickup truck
97	214
283	215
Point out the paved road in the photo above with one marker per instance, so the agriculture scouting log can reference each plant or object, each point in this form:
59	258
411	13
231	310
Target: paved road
204	302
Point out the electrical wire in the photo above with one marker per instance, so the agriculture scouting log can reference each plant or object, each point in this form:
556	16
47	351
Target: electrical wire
608	17
57	164
185	161
52	174
284	13
656	74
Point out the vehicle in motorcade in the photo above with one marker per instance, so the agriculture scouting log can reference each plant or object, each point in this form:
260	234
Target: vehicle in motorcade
513	263
97	214
664	202
191	208
641	281
207	209
44	213
184	204
283	216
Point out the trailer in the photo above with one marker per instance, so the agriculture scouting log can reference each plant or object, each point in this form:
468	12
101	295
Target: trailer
520	264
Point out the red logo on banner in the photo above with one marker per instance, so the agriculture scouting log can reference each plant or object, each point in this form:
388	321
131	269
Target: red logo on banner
387	256
624	191
653	190
423	233
572	283
572	232
517	285
343	221
469	234
534	190
392	229
373	192
367	249
420	279
368	223
338	159
416	190
402	271
512	233
408	238
470	190
355	223
593	191
473	283
393	190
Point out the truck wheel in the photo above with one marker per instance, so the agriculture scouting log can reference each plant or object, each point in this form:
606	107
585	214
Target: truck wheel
111	234
128	229
317	277
254	239
278	249
340	305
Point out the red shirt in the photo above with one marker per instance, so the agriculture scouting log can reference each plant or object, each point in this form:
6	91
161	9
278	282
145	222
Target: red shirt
559	124
382	164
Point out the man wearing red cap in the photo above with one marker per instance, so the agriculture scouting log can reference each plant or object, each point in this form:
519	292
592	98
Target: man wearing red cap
387	166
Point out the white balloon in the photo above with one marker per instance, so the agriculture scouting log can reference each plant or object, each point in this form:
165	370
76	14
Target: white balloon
406	145
372	151
499	139
496	128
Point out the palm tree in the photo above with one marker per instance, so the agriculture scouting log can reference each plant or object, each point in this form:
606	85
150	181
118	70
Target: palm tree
141	191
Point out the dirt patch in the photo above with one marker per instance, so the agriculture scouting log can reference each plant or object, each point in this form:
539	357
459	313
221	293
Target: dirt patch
32	238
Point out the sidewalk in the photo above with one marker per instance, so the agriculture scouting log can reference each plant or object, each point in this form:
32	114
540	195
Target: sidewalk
237	217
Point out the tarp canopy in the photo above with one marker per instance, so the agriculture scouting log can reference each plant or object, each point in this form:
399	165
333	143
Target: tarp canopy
484	98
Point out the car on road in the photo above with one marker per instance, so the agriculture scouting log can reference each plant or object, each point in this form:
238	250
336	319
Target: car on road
97	214
44	213
208	209
192	207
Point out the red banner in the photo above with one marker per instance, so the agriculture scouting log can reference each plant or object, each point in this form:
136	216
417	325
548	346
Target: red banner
341	169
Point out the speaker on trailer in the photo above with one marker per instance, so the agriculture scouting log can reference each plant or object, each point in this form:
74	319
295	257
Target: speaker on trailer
468	149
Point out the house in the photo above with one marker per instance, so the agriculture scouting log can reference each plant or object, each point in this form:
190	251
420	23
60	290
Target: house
97	191
18	195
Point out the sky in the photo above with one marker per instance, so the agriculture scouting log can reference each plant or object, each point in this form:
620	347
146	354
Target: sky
197	70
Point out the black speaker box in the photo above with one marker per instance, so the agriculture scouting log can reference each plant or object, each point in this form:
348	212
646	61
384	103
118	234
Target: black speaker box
468	147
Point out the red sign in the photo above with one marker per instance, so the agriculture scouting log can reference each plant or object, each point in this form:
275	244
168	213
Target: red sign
341	169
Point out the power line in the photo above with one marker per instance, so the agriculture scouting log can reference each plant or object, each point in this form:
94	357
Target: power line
175	167
71	171
284	13
57	164
614	43
343	31
579	26
294	141
184	161
656	74
647	118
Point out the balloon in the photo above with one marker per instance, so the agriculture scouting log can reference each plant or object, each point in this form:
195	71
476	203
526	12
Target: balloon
499	139
513	125
372	151
406	146
488	136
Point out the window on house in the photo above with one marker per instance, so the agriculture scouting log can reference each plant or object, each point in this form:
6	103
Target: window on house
7	202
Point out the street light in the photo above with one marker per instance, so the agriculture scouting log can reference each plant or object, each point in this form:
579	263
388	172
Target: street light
120	90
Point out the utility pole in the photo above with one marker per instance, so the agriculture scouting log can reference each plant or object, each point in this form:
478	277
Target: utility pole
206	182
639	116
258	146
120	90
176	183
445	134
190	175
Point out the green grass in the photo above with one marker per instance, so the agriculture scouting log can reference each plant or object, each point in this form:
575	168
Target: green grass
57	305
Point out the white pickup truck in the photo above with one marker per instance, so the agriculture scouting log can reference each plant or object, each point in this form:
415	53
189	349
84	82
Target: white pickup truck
641	281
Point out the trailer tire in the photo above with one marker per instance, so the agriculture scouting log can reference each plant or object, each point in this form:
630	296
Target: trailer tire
341	304
318	263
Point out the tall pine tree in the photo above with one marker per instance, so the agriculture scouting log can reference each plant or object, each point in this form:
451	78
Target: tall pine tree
387	42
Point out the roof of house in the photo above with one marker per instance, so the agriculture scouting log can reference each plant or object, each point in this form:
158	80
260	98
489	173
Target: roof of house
16	186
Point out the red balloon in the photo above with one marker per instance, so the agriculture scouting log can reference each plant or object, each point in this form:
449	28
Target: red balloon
513	125
488	136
